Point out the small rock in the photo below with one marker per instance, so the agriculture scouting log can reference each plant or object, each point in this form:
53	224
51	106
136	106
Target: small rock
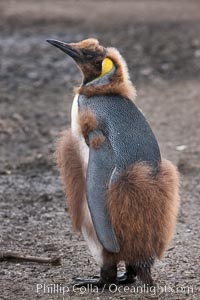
32	75
50	247
165	66
181	147
45	197
197	53
146	71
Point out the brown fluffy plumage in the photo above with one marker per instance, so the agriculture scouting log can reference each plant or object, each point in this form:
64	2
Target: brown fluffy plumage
97	141
71	172
87	122
120	83
143	211
88	48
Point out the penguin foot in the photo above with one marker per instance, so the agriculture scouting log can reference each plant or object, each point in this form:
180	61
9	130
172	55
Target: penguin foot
96	281
108	276
125	278
122	278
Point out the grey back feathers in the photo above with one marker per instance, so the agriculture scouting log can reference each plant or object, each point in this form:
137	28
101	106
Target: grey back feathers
125	127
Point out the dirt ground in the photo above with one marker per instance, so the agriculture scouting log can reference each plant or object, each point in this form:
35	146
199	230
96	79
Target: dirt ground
161	43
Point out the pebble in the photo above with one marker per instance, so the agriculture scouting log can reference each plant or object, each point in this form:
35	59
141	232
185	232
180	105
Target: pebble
181	147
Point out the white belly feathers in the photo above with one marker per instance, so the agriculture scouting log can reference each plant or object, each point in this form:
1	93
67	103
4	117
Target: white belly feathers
76	132
87	226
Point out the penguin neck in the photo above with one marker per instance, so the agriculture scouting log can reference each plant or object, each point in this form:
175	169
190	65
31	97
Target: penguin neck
113	82
102	80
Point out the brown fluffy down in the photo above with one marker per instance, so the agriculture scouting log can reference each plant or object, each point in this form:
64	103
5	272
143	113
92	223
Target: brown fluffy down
71	172
120	83
87	122
97	141
143	211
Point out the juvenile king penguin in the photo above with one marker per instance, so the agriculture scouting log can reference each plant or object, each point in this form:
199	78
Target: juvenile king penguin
122	195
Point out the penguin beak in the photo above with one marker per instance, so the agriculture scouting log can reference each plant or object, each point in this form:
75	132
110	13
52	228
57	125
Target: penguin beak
67	48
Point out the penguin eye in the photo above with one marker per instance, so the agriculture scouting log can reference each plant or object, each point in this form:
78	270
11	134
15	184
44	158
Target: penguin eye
98	64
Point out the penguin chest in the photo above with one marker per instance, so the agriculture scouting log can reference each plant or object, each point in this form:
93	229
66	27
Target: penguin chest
87	227
76	132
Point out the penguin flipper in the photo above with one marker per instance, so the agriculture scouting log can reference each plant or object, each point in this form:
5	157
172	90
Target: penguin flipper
100	167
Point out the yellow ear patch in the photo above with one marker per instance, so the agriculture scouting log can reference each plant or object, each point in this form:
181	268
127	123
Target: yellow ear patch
107	66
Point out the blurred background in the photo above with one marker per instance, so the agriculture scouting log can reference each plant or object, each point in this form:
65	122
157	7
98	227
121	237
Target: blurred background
160	41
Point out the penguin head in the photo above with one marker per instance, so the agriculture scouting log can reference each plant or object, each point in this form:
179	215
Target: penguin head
89	55
96	61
